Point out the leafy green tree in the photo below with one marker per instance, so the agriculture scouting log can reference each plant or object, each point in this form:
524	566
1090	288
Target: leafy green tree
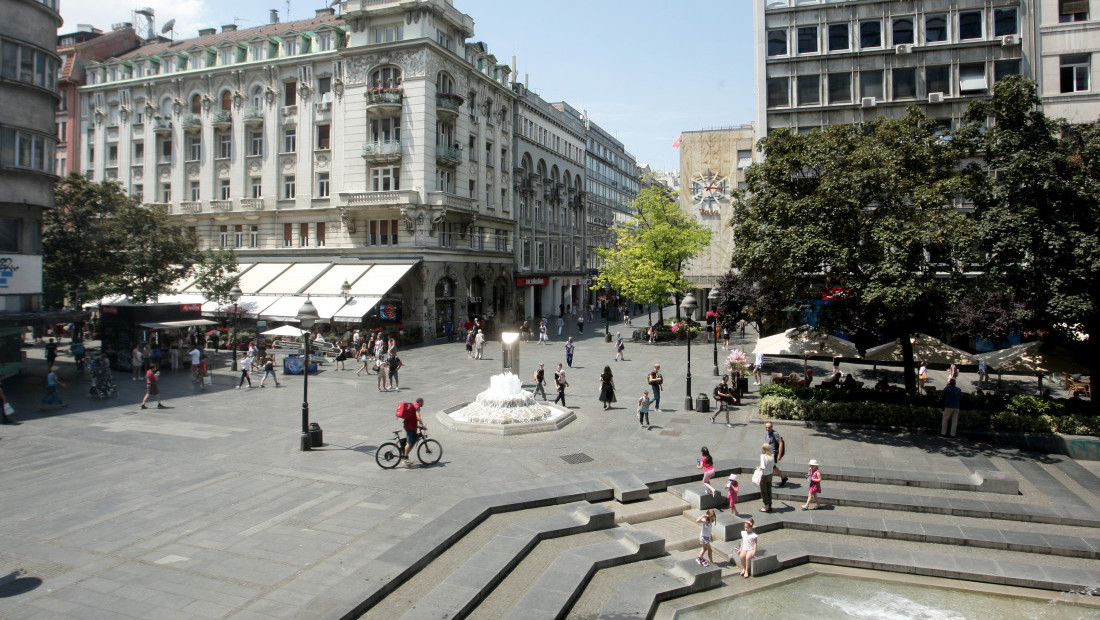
866	209
648	257
742	300
217	274
150	253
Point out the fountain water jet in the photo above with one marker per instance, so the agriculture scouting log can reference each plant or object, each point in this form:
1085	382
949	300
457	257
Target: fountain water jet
505	409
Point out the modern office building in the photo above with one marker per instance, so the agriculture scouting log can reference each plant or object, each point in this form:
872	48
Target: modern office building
1068	32
551	219
369	147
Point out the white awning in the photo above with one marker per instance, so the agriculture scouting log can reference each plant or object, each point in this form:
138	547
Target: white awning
331	281
193	289
355	309
285	308
294	279
177	324
260	275
327	306
252	305
379	280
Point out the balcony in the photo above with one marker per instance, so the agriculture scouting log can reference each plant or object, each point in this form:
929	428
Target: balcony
393	198
221	205
252	204
384	102
447	105
253	117
192	123
191	206
162	126
223	119
382	152
448	156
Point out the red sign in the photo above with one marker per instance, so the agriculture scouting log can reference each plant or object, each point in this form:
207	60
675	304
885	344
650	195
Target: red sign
190	307
108	309
531	281
835	294
709	212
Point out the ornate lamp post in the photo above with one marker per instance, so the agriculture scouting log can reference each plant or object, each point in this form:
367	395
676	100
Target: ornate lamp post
713	297
687	308
235	295
606	312
345	290
307	316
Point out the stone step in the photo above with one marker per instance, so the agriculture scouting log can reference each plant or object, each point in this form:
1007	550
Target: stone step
656	506
679	532
637	596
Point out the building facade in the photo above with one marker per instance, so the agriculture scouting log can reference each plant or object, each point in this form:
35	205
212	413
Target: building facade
369	147
28	96
1068	32
551	218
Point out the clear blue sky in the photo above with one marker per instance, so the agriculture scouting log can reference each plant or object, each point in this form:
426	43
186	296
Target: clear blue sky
645	70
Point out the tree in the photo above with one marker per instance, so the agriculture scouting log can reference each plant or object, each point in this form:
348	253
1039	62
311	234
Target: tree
648	257
868	210
217	274
742	300
150	254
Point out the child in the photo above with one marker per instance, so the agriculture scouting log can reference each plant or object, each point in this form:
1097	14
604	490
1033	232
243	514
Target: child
204	372
747	548
814	476
731	491
707	520
643	409
706	463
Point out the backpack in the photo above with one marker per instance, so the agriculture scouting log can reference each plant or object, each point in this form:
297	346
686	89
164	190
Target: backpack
403	408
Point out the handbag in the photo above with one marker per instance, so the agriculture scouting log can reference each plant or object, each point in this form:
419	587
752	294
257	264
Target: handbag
757	476
8	409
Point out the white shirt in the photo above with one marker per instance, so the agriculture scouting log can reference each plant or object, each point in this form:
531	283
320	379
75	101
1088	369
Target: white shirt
196	356
767	463
748	540
706	530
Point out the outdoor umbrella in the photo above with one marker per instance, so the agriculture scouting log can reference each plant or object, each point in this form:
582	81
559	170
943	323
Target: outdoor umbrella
285	330
925	348
1030	358
805	342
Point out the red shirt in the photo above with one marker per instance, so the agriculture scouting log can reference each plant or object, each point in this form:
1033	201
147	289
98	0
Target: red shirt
150	377
408	414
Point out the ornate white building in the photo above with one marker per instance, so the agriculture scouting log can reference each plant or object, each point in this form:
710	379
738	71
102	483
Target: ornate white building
368	147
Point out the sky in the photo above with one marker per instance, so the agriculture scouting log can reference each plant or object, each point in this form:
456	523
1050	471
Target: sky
645	70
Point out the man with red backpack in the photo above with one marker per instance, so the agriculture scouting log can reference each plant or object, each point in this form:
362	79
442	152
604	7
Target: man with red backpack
410	413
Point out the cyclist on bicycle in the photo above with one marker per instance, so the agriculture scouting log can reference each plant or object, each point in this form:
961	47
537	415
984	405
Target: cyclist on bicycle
410	413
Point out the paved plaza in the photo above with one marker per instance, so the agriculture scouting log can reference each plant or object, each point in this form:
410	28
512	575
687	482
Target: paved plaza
209	510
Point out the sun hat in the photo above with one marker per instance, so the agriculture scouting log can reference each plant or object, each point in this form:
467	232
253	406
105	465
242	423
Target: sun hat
733	477
813	462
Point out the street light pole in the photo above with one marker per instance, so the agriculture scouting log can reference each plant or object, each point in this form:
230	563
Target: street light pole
307	316
235	295
687	307
713	297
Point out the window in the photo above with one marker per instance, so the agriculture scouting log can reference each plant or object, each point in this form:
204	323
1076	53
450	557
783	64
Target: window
256	143
972	78
444	180
196	104
386	34
288	187
195	189
778	95
238	235
322	137
288	235
526	252
138	191
1073	10
324	85
29	65
382	232
139	152
385	179
905	83
1005	68
227	101
9	235
838	37
253	236
870	34
194	148
935	28
489	195
324	43
166	152
807	40
488	153
970	25
290	47
303	235
385	129
322	184
937	79
1075	73
225	145
256	51
809	90
290	140
777	43
290	93
166	193
224	189
840	87
1005	22
386	77
902	30
256	183
62	130
258	99
112	155
503	158
223	235
870	85
320	234
228	56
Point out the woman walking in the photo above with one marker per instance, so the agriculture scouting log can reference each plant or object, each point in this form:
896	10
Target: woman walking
706	463
246	370
814	476
607	388
269	371
767	468
707	520
363	355
340	358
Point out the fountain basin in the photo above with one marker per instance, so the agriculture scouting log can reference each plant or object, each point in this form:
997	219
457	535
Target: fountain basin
505	409
556	421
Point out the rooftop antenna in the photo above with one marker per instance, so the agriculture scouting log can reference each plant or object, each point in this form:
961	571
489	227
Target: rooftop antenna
169	27
288	10
150	21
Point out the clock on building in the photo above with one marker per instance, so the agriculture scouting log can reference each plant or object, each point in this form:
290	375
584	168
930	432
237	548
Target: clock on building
708	190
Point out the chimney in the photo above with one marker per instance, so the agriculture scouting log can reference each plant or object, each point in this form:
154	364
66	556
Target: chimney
205	32
326	12
274	16
229	28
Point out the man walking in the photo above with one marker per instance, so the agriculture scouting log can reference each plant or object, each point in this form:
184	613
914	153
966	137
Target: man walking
152	388
778	448
655	381
196	358
569	346
952	396
560	382
540	381
393	364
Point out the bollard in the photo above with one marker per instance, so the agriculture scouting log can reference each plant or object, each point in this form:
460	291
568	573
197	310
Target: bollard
702	403
315	437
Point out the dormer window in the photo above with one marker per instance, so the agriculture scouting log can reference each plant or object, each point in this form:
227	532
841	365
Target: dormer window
196	60
324	42
256	51
290	46
228	56
139	69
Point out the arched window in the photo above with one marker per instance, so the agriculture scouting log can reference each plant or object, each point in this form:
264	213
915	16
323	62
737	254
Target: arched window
386	77
257	97
196	103
444	83
227	100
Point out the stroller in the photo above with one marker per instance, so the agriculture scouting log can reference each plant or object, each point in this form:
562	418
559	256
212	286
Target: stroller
103	384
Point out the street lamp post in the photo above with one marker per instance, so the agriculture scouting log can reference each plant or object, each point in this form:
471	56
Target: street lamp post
713	297
235	295
307	316
606	309
687	308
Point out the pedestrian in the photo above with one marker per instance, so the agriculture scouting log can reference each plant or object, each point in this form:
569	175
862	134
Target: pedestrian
747	548
525	331
544	338
413	424
757	368
152	388
952	396
393	364
707	520
479	344
922	376
619	347
723	398
269	371
540	381
196	357
51	353
607	388
53	391
643	409
580	324
954	372
561	323
569	346
341	356
814	476
246	369
766	469
706	463
470	336
363	356
77	349
204	372
732	488
983	372
779	449
4	409
135	362
561	384
655	380
380	370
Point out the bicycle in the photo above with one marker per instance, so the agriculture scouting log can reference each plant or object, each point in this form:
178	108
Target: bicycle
390	453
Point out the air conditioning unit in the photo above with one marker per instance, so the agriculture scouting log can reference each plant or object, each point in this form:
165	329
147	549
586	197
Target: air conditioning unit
904	48
935	97
1010	40
867	102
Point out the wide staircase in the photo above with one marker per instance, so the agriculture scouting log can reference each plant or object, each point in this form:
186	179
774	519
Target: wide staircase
619	545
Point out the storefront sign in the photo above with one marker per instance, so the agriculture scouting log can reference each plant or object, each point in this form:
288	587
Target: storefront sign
531	281
108	309
190	307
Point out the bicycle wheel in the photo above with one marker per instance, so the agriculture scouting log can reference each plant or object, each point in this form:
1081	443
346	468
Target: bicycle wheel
429	452
388	455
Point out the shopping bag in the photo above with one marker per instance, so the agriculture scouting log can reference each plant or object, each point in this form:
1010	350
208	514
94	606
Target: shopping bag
8	409
757	476
208	380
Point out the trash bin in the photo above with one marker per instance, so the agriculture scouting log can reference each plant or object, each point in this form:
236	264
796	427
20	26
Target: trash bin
742	386
607	337
315	438
702	403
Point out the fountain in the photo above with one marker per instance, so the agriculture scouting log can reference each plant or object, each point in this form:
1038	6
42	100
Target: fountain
505	409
